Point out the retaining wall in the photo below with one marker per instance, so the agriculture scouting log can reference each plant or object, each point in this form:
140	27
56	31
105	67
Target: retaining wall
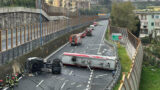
135	51
33	48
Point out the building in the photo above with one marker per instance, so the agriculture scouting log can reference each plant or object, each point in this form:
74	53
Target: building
150	21
72	5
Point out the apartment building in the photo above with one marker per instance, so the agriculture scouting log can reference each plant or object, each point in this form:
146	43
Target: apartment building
150	21
71	5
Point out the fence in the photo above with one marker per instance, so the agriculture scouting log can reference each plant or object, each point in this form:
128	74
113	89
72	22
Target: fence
30	36
135	51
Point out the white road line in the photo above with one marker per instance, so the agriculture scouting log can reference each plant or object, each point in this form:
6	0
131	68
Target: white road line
101	41
20	78
61	79
100	75
45	60
5	88
73	83
71	73
63	84
39	83
79	85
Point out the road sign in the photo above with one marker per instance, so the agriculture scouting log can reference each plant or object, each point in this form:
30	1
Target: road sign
116	36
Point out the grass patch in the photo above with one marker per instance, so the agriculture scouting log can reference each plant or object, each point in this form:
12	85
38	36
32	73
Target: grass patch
125	63
150	78
124	59
107	35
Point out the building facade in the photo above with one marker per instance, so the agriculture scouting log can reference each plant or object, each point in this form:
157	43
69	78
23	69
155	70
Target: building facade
150	22
72	5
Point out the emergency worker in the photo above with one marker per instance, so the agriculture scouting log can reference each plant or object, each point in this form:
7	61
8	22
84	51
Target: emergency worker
1	84
7	80
11	82
16	79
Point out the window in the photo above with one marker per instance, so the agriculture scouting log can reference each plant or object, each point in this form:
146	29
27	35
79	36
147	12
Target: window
152	16
152	24
157	16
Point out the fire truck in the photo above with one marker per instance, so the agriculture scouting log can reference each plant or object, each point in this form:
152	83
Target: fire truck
92	27
89	32
95	23
92	61
75	39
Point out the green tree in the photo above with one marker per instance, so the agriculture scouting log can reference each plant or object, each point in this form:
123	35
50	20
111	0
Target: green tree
122	15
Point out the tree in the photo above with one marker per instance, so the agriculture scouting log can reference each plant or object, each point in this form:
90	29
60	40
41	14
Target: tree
122	15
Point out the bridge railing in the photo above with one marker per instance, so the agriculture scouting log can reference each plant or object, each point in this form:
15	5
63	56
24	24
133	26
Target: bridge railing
134	49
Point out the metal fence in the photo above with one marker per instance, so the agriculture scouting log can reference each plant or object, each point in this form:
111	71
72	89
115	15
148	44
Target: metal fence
134	48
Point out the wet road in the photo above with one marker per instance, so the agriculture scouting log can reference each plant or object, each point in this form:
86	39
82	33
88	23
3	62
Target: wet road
75	78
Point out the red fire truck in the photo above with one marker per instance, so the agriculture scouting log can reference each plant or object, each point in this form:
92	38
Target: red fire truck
93	61
75	39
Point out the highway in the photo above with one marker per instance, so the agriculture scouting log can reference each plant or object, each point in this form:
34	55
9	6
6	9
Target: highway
75	78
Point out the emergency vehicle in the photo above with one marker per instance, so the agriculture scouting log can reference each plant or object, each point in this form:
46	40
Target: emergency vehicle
95	23
89	32
83	34
92	61
75	39
92	27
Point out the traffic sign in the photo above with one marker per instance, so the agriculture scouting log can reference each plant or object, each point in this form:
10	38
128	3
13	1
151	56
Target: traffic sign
116	36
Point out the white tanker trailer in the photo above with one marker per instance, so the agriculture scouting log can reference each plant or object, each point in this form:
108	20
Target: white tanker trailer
93	61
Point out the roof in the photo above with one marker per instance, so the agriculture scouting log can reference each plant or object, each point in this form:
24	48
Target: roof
89	56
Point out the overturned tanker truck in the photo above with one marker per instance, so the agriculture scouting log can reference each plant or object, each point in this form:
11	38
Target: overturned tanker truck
92	61
37	65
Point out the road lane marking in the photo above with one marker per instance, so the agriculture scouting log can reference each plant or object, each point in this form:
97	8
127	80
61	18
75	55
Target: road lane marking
100	75
101	41
45	60
62	79
89	81
73	83
71	73
5	88
39	83
79	85
63	84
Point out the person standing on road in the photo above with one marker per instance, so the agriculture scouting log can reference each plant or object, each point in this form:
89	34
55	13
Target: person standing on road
11	82
7	80
1	84
113	73
16	79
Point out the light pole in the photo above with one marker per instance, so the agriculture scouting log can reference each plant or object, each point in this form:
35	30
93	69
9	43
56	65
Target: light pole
40	18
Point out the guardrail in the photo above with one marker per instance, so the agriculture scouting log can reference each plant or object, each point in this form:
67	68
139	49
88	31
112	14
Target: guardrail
135	51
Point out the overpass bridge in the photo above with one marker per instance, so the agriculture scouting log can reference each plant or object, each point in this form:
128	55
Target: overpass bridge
17	16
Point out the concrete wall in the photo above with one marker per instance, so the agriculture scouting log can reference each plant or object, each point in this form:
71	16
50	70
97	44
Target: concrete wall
17	16
11	54
135	51
18	55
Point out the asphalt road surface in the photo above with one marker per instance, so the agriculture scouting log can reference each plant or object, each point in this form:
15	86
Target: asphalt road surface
75	78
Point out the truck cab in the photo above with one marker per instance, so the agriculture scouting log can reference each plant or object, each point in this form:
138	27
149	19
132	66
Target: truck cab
37	65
